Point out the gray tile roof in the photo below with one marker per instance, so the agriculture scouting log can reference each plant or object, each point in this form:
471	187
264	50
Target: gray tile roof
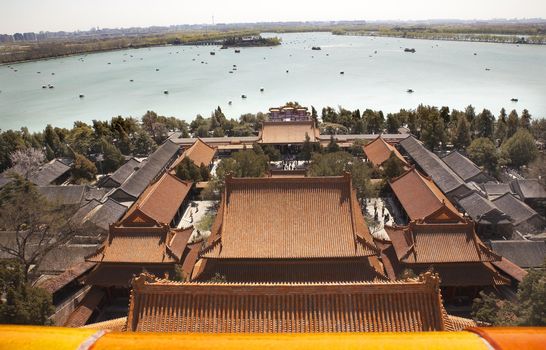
525	254
155	164
49	172
63	257
462	166
516	209
440	173
528	189
64	195
494	189
480	208
100	214
126	170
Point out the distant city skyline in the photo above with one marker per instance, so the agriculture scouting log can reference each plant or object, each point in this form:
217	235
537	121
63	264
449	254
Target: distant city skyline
72	15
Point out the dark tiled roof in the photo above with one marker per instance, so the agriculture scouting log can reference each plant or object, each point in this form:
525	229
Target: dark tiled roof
494	190
164	306
64	257
100	214
126	170
440	173
64	195
49	172
529	189
276	218
155	164
482	209
462	166
516	209
525	254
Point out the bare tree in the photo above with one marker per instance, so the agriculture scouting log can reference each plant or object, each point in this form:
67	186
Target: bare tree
27	161
31	226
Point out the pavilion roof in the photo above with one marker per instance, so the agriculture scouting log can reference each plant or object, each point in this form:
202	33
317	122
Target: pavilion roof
289	218
462	166
288	132
430	243
142	245
379	150
199	152
419	195
166	306
159	202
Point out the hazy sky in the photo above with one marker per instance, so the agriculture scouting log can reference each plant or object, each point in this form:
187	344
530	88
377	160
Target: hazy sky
69	15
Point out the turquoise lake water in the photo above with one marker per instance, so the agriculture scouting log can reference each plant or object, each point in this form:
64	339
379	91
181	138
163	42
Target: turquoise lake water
377	73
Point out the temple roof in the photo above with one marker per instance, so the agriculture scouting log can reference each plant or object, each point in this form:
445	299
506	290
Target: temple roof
123	173
529	189
166	306
429	243
433	166
152	168
482	210
49	172
199	152
288	132
289	218
518	211
462	166
378	151
142	245
418	194
159	202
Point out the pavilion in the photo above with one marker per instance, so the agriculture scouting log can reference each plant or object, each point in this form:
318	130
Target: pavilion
282	229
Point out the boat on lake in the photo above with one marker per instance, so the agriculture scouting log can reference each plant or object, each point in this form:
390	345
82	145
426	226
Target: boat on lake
316	48
412	50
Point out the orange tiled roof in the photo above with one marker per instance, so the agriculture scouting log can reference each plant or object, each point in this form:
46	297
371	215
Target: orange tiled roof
115	325
458	274
403	306
379	150
143	245
159	202
85	309
289	218
199	152
419	195
288	132
426	243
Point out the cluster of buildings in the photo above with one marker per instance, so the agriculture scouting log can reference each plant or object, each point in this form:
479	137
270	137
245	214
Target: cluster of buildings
292	254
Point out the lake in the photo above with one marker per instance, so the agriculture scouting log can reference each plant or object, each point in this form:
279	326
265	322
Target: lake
377	74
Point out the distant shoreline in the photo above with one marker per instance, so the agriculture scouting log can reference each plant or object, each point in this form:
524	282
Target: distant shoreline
469	40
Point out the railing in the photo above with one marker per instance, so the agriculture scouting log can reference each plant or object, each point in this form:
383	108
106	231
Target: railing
33	337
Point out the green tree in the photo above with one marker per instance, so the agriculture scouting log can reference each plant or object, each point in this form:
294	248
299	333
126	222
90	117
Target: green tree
432	127
204	172
245	163
112	157
336	164
484	124
51	139
525	120
35	225
332	145
501	127
83	169
462	137
81	138
512	124
483	152
520	149
187	170
308	148
272	153
143	143
392	167
470	114
393	123
529	308
22	304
